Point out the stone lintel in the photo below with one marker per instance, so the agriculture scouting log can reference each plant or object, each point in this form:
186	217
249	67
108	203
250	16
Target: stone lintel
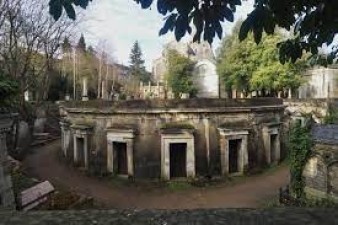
177	131
80	129
128	133
272	125
82	126
233	132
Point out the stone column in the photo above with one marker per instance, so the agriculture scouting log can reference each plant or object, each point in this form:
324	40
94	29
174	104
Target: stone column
66	140
244	159
76	156
190	159
224	155
130	157
165	158
85	141
84	89
267	145
277	150
62	138
290	93
104	90
110	161
234	93
207	139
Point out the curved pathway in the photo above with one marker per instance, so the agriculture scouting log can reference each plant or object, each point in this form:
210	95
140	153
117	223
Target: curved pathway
247	192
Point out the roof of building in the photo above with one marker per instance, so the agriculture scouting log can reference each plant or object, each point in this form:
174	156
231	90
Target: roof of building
326	134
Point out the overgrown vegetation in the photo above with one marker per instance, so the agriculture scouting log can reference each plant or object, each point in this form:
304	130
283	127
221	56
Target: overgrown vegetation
180	74
331	115
21	181
246	66
299	152
9	89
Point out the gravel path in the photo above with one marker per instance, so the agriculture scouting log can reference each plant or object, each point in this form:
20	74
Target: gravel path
247	192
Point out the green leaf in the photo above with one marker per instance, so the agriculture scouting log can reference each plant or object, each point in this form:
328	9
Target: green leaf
55	9
70	10
244	30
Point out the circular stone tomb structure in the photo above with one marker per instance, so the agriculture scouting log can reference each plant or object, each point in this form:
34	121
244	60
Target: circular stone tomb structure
169	139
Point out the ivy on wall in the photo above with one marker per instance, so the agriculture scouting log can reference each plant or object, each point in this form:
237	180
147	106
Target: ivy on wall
299	153
331	115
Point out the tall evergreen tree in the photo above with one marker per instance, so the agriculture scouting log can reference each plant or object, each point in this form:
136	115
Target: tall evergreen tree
66	46
81	45
137	67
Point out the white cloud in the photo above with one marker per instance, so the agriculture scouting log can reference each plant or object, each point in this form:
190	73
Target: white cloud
121	22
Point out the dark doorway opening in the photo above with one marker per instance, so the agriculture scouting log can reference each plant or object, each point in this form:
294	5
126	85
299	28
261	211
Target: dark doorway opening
121	162
273	147
234	148
80	151
178	160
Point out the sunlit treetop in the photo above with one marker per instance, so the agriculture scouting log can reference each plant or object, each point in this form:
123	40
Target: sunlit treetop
314	22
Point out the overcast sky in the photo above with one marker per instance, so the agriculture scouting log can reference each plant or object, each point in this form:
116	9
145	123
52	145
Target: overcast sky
120	22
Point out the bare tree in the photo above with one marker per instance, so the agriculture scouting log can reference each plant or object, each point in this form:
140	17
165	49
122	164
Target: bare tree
29	45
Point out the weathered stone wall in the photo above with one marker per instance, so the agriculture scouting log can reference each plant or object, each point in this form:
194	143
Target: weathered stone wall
270	216
321	170
320	83
297	108
315	174
7	200
147	122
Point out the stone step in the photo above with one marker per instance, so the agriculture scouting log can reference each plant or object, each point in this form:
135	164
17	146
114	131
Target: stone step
44	142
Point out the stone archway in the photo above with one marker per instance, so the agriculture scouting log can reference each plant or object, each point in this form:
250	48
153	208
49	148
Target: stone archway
271	142
177	145
81	141
120	151
234	151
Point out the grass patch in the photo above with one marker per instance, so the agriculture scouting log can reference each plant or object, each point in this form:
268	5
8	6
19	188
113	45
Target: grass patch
21	181
178	185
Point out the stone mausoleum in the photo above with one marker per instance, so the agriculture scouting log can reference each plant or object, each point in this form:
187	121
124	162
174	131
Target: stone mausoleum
169	139
321	170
